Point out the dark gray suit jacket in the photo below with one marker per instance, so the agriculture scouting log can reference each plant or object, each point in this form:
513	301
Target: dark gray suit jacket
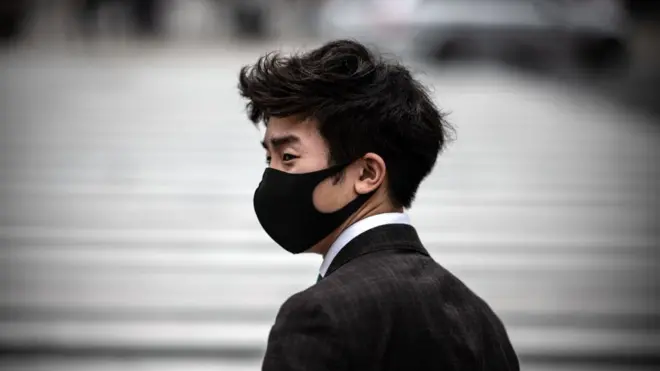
385	304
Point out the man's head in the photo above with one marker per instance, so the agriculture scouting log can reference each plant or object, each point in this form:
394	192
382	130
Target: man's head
342	105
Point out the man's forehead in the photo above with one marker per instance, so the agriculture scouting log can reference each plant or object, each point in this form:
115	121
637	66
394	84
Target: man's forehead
273	134
288	127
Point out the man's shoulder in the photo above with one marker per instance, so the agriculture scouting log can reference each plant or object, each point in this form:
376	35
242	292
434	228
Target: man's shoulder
391	279
370	283
386	281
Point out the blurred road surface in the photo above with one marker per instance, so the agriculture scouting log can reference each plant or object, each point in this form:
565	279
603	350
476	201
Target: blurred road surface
128	240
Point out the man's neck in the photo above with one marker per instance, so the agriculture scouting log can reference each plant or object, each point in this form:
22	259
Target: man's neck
381	208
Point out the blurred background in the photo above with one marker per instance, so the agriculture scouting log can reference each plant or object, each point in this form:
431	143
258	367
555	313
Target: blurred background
127	166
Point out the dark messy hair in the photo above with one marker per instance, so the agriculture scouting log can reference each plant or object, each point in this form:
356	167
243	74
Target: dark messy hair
362	103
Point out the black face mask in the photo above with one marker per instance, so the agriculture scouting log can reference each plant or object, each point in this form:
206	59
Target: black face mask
285	208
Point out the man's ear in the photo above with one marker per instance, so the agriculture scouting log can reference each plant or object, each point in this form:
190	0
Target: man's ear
372	173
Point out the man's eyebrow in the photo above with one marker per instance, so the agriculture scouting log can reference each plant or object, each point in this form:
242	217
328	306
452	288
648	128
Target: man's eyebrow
276	142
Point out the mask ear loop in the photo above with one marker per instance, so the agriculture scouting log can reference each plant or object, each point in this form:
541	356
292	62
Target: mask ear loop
337	177
340	174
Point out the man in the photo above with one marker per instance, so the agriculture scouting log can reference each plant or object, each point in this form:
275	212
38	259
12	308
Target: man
349	138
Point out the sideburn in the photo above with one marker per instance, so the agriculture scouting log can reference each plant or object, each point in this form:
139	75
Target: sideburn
338	178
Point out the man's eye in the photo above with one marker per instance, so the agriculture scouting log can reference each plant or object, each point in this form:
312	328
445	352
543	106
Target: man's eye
288	157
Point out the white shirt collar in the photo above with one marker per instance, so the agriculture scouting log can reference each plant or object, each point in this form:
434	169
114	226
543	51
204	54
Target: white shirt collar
357	229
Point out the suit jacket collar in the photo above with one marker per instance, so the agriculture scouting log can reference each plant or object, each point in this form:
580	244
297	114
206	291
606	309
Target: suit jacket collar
357	229
385	237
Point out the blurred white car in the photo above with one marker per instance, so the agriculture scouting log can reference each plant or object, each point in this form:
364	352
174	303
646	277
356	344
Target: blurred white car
592	33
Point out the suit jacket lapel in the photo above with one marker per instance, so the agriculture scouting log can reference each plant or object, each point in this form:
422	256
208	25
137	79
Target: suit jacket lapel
385	237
